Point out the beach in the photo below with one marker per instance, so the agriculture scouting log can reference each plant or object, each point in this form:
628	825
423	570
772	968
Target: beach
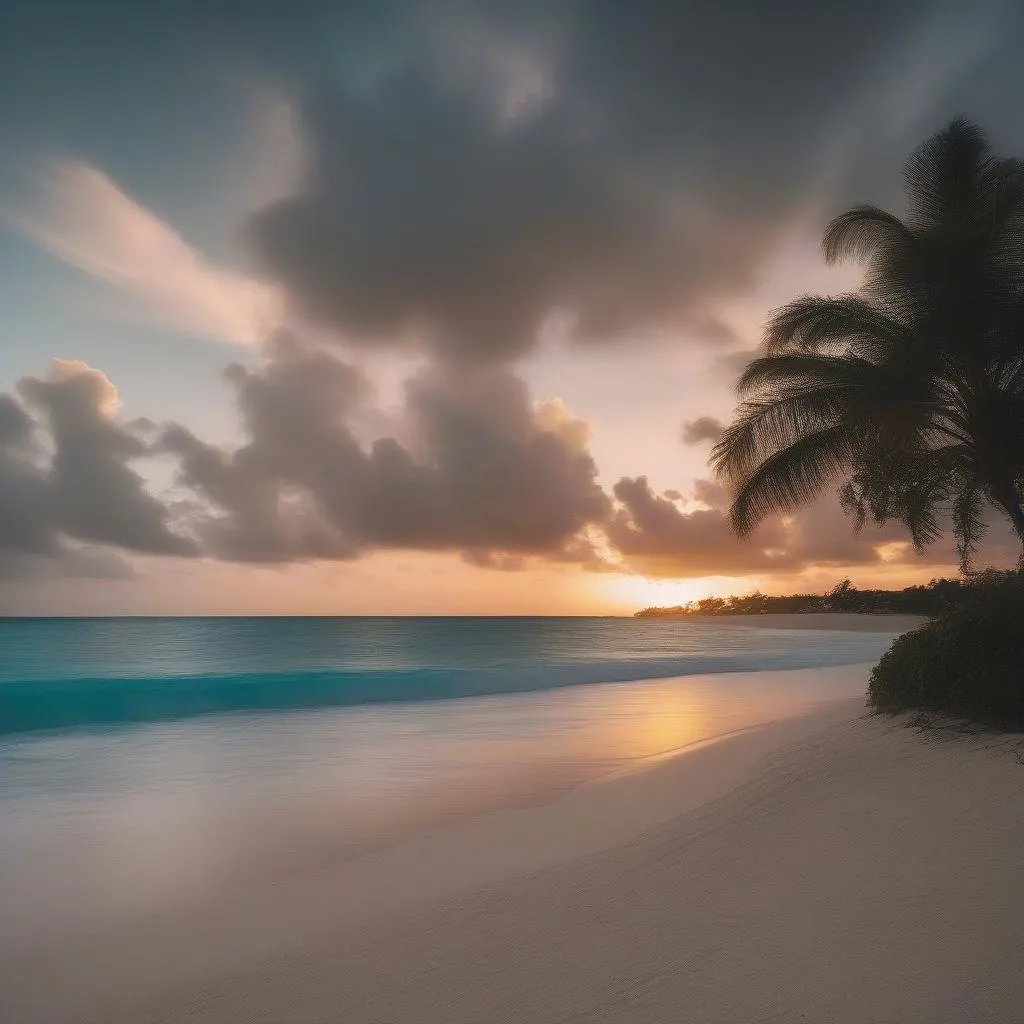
512	513
830	867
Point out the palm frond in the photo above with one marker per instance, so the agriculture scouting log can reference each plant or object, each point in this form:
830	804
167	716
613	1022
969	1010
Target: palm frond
789	477
897	484
999	198
853	503
872	397
834	324
918	512
763	427
859	233
969	526
942	173
780	376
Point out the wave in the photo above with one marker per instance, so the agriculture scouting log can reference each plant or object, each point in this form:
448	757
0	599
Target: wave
72	703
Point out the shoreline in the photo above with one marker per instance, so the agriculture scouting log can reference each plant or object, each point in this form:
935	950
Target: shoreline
853	622
825	865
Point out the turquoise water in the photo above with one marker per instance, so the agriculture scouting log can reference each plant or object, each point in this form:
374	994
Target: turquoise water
146	763
62	673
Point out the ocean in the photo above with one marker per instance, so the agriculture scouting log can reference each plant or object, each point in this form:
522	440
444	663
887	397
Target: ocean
147	762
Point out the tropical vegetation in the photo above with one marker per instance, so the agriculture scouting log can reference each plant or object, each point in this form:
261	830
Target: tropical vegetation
933	598
965	663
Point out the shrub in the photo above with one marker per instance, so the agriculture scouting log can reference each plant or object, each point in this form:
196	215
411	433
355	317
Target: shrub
968	663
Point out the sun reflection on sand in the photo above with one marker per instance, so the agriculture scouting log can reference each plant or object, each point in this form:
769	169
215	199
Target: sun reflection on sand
662	717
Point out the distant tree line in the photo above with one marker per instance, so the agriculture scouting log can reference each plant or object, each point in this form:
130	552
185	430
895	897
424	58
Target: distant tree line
934	598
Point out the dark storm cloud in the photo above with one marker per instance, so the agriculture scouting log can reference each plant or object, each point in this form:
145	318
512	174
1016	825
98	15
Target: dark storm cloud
475	166
424	216
489	475
627	164
703	428
71	481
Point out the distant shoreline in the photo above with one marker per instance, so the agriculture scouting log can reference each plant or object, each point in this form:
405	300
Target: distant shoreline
854	622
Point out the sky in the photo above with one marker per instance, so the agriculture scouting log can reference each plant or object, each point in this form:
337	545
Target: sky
402	307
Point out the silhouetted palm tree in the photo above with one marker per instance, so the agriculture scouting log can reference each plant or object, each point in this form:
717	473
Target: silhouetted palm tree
913	388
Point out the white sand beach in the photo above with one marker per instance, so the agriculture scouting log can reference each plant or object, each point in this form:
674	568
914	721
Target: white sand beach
830	868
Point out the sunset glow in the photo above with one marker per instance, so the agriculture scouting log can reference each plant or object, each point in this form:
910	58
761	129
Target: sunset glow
348	382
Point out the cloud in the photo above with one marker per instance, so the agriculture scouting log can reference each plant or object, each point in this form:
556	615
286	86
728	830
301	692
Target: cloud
656	537
704	428
64	563
729	365
474	249
26	502
707	492
473	172
629	166
74	484
473	169
487	474
83	218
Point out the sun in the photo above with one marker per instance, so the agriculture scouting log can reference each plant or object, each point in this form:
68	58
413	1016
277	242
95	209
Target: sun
632	593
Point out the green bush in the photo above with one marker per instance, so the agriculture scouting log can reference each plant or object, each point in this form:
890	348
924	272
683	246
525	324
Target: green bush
968	663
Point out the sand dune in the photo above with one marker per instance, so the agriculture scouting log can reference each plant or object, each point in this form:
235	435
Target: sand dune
833	868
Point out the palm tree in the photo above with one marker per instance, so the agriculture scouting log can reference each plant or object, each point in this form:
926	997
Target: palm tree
912	389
